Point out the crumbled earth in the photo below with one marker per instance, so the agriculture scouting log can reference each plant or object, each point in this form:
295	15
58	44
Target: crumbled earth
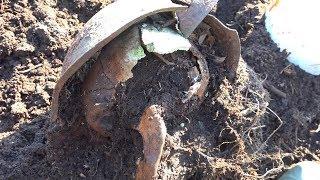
233	134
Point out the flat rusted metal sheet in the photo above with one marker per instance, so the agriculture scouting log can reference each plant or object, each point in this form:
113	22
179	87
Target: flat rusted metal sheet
100	30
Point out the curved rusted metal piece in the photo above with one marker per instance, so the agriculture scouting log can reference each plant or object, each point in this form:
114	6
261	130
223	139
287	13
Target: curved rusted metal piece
100	30
112	67
98	33
229	40
153	131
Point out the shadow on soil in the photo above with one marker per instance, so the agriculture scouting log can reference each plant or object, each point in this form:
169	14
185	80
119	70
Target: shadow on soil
41	149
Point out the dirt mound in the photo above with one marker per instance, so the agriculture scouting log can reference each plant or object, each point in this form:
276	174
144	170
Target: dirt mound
239	131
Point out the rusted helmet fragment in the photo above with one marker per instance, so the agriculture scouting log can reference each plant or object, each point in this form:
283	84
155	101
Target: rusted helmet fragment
101	29
123	41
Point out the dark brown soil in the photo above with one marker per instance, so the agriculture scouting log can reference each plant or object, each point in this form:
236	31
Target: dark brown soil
233	134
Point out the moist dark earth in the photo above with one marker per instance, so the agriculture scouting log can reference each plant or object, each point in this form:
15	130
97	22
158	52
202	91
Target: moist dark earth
253	128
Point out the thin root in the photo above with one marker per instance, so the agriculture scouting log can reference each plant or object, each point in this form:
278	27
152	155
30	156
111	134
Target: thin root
30	69
281	123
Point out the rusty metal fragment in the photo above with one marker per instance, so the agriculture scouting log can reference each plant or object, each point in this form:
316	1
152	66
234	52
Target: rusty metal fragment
153	131
229	40
113	31
112	67
99	31
194	15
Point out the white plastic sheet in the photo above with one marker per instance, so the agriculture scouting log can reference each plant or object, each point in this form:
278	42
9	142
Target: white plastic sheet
294	26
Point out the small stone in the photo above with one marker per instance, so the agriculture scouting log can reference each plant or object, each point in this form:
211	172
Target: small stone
52	78
45	11
51	3
57	62
18	8
7	43
46	98
22	35
19	108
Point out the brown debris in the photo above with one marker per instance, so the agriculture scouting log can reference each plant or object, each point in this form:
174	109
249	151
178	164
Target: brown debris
163	59
193	16
112	67
204	70
153	131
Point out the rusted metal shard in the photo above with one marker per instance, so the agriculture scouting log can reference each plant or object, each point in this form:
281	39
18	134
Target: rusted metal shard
194	15
229	40
199	88
100	30
112	30
113	66
153	131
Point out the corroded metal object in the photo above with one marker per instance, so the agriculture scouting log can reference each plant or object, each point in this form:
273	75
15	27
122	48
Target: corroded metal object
101	29
193	16
113	66
116	18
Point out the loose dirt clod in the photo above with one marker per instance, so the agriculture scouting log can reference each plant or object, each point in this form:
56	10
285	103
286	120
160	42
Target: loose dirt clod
19	108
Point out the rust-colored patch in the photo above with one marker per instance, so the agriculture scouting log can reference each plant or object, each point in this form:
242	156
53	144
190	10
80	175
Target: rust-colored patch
112	67
153	131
